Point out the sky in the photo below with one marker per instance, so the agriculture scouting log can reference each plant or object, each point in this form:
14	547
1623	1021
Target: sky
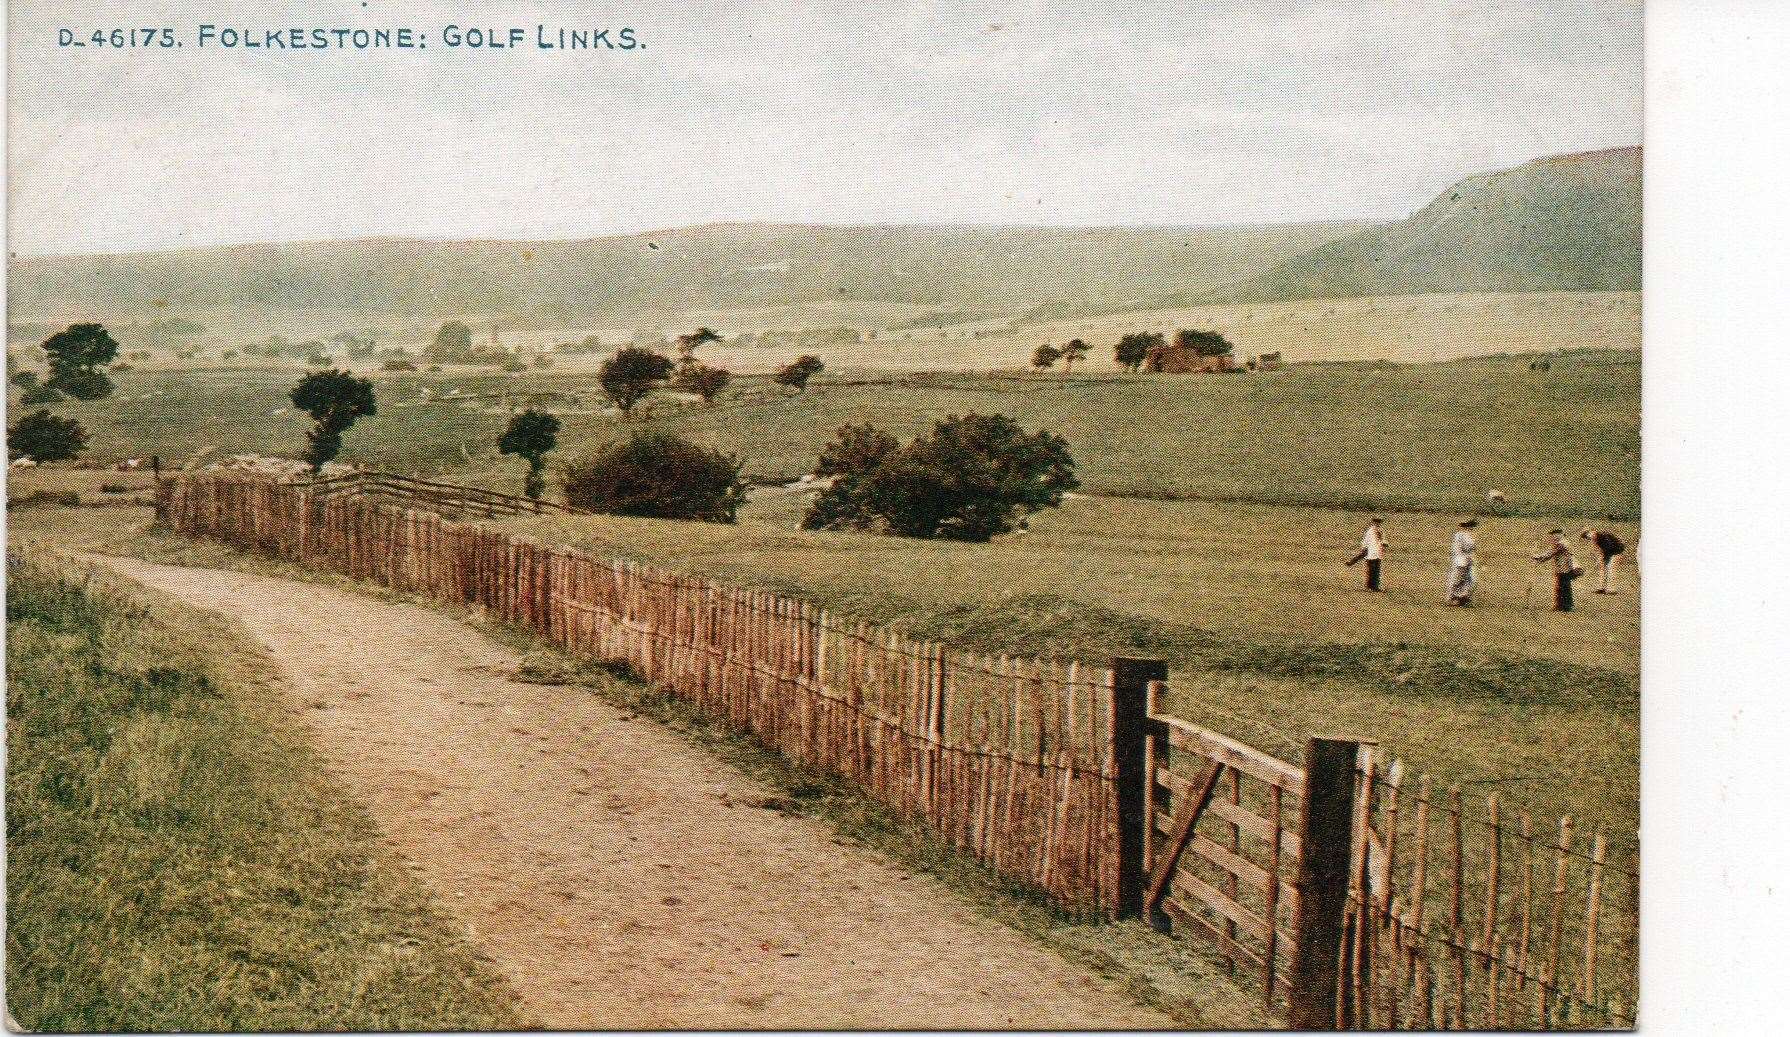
1067	114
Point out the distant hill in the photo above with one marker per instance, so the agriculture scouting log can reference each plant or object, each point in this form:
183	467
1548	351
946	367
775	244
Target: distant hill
1565	223
711	267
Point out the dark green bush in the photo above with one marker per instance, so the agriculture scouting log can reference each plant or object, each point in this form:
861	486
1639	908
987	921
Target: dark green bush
657	476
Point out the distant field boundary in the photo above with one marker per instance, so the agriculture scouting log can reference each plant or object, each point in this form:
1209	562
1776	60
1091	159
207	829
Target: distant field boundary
1062	776
446	498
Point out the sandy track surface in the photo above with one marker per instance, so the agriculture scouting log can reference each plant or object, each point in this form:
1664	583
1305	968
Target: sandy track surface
620	877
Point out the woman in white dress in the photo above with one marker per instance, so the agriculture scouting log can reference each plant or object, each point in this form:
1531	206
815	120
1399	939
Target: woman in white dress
1463	573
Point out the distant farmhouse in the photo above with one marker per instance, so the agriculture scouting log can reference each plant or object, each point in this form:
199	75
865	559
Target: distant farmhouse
1178	359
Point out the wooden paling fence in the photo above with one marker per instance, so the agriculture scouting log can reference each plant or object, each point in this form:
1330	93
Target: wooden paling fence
1357	898
1009	759
1474	914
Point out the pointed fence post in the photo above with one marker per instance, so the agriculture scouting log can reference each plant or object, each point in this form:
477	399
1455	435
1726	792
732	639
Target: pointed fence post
1326	848
1130	728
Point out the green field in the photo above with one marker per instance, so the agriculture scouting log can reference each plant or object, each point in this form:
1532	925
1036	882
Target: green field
176	859
1268	637
1215	517
1565	442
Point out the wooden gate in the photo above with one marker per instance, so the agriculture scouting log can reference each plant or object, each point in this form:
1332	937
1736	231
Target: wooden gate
1252	854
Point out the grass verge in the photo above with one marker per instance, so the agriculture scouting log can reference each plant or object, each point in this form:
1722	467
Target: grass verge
176	859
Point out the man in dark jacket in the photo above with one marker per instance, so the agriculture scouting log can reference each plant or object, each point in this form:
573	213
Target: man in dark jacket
1608	545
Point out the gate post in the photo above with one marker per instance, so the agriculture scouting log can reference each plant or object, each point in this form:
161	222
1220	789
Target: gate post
1130	730
1327	845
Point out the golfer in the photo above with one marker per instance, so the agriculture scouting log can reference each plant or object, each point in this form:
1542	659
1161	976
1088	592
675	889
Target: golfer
1566	569
1463	573
1608	545
1373	549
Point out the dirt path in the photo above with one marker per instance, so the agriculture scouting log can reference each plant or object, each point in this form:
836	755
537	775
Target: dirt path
620	877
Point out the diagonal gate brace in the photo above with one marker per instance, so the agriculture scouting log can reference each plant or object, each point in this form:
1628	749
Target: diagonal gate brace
1185	820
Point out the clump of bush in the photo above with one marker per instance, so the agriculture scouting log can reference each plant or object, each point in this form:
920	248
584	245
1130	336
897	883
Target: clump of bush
38	395
797	372
45	499
657	476
972	478
702	380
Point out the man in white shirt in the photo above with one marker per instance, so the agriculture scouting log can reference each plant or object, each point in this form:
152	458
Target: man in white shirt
1463	574
1373	549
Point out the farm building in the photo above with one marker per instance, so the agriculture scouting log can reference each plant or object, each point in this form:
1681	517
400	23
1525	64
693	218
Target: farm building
1186	360
1268	362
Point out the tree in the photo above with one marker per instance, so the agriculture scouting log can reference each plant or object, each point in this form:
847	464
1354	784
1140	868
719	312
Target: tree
1203	343
1134	349
40	394
530	436
1073	350
971	478
687	345
796	373
77	354
24	379
628	376
657	476
703	380
1045	357
453	342
43	436
335	400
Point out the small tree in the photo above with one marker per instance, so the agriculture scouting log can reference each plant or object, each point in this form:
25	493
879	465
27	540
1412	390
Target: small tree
77	354
1203	343
335	400
43	436
687	345
703	380
628	376
453	342
24	379
971	478
796	373
1134	349
531	435
657	476
1073	350
1045	357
